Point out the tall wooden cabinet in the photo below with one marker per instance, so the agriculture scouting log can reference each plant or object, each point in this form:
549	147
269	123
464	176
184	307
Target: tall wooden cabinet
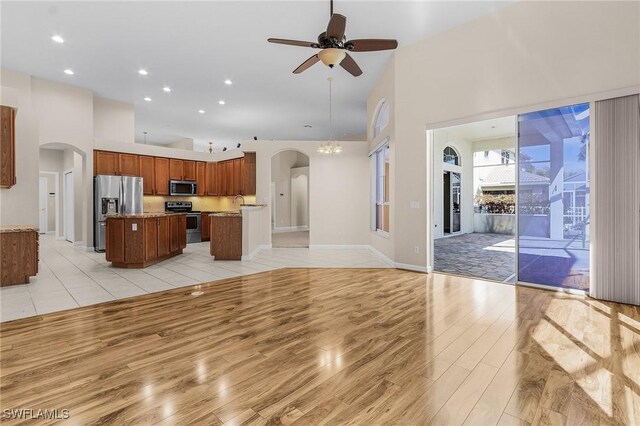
162	176
249	173
201	177
148	174
7	147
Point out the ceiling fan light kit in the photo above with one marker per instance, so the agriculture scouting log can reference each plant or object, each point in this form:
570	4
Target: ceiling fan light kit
334	46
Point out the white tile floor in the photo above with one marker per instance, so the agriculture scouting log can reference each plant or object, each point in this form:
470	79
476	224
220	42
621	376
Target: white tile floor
69	278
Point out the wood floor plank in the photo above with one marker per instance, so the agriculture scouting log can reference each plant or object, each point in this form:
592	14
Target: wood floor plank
331	346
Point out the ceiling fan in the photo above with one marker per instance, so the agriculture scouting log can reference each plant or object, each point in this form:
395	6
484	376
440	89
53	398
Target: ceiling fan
334	46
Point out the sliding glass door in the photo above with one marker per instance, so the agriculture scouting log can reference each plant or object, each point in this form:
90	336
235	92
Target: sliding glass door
553	197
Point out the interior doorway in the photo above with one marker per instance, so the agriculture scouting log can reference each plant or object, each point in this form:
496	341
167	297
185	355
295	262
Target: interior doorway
451	202
43	192
68	214
290	200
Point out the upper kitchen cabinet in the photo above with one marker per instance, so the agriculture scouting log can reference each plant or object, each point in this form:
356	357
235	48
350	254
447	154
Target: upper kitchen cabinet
162	176
176	169
221	179
128	165
201	177
249	173
237	176
7	147
148	174
228	167
212	179
189	170
105	163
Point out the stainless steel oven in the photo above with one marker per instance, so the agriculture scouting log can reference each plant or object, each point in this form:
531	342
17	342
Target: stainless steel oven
194	219
183	187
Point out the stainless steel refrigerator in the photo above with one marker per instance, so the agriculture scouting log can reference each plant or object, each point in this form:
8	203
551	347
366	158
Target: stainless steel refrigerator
111	195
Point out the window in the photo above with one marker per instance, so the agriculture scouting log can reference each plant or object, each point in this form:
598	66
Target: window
450	156
380	189
505	156
382	118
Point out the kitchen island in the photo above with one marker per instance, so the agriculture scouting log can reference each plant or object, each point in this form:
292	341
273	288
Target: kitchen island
18	254
234	235
140	240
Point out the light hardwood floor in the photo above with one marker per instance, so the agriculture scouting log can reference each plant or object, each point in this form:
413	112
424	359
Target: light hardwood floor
331	346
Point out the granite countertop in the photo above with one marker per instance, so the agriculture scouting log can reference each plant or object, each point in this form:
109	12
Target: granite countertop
226	214
253	205
142	215
17	228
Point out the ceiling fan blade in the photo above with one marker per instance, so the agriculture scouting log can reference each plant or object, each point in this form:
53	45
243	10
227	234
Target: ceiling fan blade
372	44
350	65
292	42
306	64
336	27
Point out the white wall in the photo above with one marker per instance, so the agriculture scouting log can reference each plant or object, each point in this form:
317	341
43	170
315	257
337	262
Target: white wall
523	57
113	121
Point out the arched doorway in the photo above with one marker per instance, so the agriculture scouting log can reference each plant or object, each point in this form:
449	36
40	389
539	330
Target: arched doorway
290	200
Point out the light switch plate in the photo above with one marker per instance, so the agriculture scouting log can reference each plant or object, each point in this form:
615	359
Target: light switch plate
414	204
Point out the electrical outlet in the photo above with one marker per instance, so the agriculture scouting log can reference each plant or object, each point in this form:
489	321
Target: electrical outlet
417	249
134	226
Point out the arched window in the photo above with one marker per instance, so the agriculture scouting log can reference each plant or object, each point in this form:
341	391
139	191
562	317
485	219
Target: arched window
381	119
450	156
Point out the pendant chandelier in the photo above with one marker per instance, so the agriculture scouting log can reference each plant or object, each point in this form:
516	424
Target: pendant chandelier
331	146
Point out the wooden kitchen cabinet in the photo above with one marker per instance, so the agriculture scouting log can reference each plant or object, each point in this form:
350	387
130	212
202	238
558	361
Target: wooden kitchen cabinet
139	241
212	179
19	247
176	169
128	165
205	226
162	176
150	239
226	237
105	163
249	174
148	174
237	176
189	170
221	179
164	244
7	147
201	177
228	165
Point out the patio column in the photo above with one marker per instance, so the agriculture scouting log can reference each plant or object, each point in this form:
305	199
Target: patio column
556	189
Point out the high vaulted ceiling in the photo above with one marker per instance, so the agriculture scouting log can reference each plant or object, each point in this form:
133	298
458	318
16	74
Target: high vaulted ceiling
192	47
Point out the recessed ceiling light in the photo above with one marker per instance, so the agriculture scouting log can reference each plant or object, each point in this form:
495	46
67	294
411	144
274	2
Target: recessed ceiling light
142	71
221	102
57	39
228	82
201	111
148	99
69	71
166	89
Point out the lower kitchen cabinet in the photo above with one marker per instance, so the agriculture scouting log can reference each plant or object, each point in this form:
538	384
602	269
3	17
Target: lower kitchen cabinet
19	247
138	241
205	226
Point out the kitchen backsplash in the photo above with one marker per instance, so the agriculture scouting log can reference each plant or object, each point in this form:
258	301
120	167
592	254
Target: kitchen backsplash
154	204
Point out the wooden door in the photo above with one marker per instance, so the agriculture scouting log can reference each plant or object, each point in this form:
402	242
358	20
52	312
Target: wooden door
182	231
7	147
212	179
176	169
162	176
128	165
221	179
249	173
189	168
205	226
201	177
114	244
229	176
237	176
105	163
150	239
174	236
148	174
164	243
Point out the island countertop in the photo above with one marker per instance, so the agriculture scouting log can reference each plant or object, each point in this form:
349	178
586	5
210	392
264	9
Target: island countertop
142	215
226	214
5	229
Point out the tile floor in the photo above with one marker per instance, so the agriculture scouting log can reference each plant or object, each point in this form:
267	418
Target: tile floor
69	278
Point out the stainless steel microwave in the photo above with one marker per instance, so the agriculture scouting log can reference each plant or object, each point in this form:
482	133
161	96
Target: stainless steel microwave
183	187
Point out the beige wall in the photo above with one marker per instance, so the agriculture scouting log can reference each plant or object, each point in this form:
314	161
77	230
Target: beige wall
525	56
113	121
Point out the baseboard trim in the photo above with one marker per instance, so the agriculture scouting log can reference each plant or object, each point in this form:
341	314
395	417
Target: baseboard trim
249	257
280	229
339	247
414	268
383	256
